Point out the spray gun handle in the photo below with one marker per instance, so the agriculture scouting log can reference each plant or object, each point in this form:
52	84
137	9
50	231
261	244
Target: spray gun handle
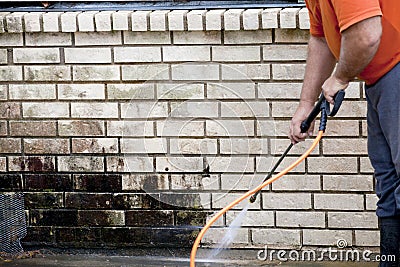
305	125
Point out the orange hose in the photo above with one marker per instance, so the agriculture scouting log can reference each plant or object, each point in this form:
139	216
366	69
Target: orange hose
247	194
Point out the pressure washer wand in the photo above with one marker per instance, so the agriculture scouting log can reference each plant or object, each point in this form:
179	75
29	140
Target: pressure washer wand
321	106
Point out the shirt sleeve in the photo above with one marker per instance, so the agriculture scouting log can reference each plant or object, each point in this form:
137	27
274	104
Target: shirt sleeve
350	12
314	12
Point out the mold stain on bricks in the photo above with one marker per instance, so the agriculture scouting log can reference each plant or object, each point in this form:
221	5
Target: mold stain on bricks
35	164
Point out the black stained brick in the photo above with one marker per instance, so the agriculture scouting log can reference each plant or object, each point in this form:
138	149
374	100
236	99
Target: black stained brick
98	218
55	217
179	201
78	237
98	183
124	236
38	235
10	182
128	201
191	218
38	200
149	218
88	200
47	182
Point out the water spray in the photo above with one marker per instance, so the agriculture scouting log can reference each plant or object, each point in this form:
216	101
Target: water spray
322	107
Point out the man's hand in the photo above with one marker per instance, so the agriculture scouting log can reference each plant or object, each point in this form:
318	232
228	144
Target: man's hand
303	110
331	86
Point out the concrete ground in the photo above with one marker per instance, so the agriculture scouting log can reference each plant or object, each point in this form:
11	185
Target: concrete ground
159	258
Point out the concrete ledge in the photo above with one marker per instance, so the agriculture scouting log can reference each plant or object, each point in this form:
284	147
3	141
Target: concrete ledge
170	20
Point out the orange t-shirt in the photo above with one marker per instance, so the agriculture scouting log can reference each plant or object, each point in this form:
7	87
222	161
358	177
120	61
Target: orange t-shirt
328	18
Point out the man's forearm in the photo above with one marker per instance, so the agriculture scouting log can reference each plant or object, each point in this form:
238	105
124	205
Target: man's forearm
358	46
320	64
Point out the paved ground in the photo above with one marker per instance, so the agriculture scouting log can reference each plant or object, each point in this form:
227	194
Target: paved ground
165	257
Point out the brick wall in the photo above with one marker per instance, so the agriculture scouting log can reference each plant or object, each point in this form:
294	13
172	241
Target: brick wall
132	128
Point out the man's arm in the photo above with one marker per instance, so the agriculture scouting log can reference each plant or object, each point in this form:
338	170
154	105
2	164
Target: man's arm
358	46
320	64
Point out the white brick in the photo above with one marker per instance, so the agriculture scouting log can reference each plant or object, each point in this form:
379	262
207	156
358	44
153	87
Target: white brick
11	39
103	21
345	146
51	21
179	164
180	91
338	202
98	38
86	21
229	128
195	20
283	109
130	164
300	219
48	39
232	19
244	109
277	238
265	164
239	182
130	128
326	237
148	109
180	128
272	128
3	56
36	55
194	109
279	90
278	147
367	238
296	201
365	165
130	91
32	21
120	20
243	146
3	92
285	52
370	201
47	73
231	164
246	71
69	22
230	90
288	71
176	20
220	200
87	55
186	53
158	20
32	91
144	145
288	18
248	37
343	128
215	235
251	18
202	146
50	110
291	36
94	110
214	20
81	91
14	22
196	72
335	165
253	218
269	18
145	72
352	220
152	38
356	109
140	20
3	25
304	19
137	54
96	73
80	164
298	182
348	182
197	37
236	53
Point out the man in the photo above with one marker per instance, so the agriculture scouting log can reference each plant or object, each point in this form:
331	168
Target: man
363	38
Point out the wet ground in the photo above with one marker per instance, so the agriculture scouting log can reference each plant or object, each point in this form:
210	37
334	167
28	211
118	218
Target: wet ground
158	258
